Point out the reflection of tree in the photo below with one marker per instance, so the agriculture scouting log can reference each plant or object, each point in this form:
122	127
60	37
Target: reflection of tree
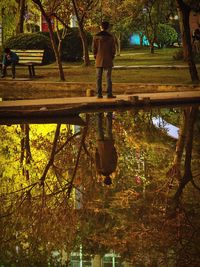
25	149
191	115
42	218
52	156
139	228
175	170
38	220
185	141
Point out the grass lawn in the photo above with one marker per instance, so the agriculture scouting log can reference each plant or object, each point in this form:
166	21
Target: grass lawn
82	74
140	57
76	72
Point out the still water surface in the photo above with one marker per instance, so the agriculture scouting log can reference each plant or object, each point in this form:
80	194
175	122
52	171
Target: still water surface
109	189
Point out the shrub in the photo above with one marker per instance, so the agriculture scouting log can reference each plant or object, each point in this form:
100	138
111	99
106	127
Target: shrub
178	55
125	41
72	49
32	41
166	35
71	45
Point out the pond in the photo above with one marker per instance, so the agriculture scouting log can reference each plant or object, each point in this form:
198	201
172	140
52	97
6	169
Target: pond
119	188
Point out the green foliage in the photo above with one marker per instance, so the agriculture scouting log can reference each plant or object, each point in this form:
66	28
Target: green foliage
8	17
125	41
178	55
32	41
72	46
166	35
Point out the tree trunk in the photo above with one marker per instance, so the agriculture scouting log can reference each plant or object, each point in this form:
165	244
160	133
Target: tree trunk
184	12
55	48
85	46
118	44
182	33
82	34
141	36
21	13
53	40
152	46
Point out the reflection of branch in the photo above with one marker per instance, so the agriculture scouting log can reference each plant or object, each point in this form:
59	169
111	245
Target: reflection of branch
26	194
175	170
57	151
43	196
54	193
188	219
22	144
24	188
78	157
54	152
25	148
66	142
52	156
195	185
187	177
87	152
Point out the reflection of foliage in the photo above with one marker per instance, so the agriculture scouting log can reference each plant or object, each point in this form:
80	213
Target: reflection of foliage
37	216
42	218
138	226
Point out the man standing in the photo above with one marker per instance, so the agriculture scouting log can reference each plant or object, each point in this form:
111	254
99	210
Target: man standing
104	53
9	58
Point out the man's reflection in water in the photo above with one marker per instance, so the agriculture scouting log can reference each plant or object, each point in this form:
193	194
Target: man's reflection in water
106	155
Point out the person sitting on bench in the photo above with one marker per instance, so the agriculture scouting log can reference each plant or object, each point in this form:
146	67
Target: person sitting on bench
9	58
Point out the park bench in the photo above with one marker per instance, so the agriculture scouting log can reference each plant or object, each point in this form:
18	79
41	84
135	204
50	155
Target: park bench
30	58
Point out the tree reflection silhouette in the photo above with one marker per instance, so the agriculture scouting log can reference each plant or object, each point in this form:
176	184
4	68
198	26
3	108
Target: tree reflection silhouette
39	215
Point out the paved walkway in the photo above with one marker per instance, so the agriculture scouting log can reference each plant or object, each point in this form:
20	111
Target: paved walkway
181	66
60	107
67	110
152	67
93	102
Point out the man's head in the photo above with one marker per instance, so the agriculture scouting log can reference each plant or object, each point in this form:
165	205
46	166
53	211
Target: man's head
7	50
107	180
105	25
